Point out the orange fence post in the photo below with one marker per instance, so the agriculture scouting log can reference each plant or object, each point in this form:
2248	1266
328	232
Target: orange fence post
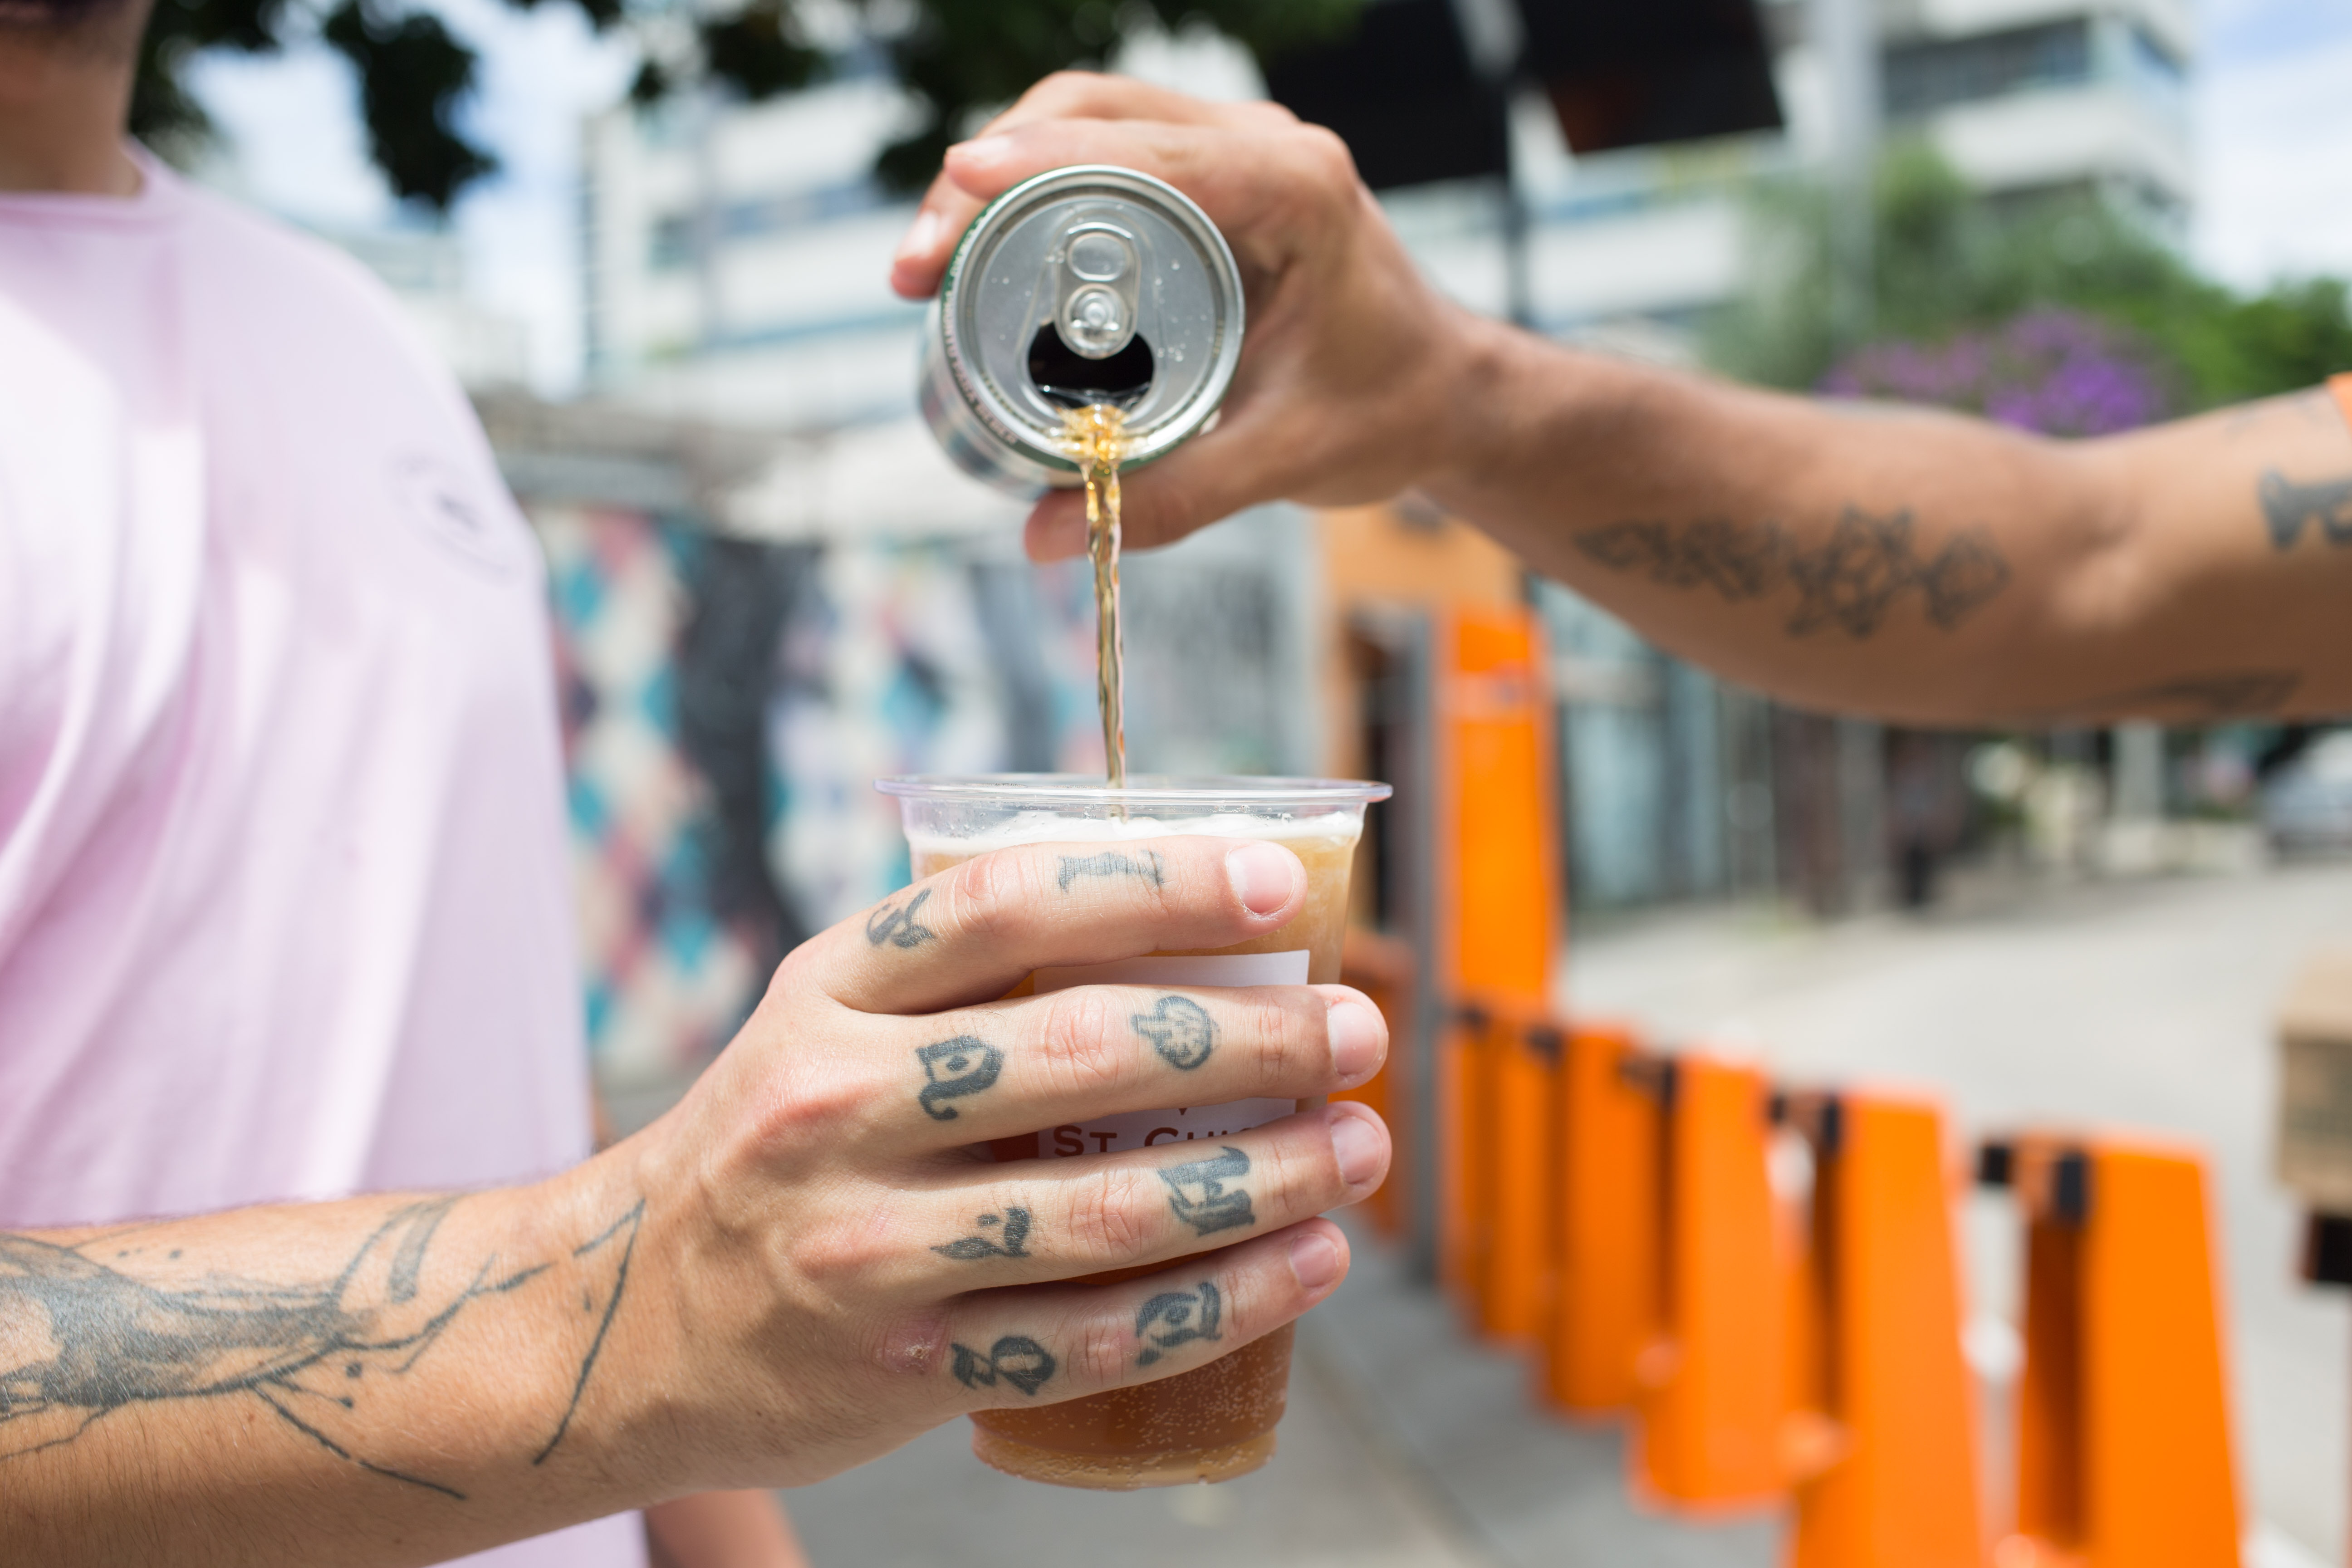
1381	967
1883	1446
1715	1388
2123	1445
1465	1198
1496	926
1603	1306
1512	1161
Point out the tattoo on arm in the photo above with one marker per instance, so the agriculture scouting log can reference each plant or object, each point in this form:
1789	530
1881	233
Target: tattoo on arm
1189	1315
1145	864
957	1067
81	1340
1216	1208
1007	1242
1017	1359
1850	581
2288	507
1180	1030
899	926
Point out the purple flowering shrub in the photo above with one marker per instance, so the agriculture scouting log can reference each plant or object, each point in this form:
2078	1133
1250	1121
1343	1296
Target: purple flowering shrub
2054	372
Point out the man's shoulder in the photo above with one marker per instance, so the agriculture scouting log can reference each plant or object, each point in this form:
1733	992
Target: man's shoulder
301	311
272	256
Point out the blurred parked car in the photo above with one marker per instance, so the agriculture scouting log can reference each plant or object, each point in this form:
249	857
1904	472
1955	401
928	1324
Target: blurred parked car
2308	802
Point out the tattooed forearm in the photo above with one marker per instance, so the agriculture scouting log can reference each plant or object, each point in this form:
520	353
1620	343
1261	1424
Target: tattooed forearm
2288	507
1145	864
1019	1360
1180	1030
82	1340
1008	1241
1216	1208
899	926
1850	581
963	1065
1188	1315
620	1241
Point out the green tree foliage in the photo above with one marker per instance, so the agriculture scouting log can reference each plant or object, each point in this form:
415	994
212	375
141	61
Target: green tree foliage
1948	262
957	58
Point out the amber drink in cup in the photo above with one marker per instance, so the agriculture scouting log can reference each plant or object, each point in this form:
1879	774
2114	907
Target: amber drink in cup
1217	1421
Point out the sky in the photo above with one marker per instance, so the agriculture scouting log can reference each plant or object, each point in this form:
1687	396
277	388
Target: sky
2274	129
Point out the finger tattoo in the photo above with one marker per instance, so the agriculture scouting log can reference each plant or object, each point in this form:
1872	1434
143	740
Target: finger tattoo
1215	1208
1017	1359
1188	1315
1006	1242
1180	1030
898	927
965	1064
1112	863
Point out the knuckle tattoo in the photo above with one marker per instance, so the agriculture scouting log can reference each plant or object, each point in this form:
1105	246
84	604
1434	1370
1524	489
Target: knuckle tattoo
995	1236
953	1067
1015	1359
898	925
1145	865
1176	1318
1180	1030
1199	1195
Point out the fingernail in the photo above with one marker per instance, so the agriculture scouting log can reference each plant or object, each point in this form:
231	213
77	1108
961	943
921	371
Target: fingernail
1356	1032
1315	1259
1358	1145
1264	876
983	150
921	235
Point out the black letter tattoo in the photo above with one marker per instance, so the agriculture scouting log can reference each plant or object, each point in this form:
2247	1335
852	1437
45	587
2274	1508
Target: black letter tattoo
1022	1363
970	1065
85	1340
2287	506
1215	1209
898	927
1850	581
1110	863
1175	1307
970	1247
1180	1030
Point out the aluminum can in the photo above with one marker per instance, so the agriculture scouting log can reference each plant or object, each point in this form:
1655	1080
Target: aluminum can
1082	285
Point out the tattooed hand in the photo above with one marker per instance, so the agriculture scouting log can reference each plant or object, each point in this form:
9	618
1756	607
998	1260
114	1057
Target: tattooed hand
851	1244
809	1261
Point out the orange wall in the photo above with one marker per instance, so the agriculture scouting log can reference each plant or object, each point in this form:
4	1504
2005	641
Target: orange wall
1378	554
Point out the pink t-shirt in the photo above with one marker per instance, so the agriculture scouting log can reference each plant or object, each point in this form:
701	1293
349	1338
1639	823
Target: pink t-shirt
284	897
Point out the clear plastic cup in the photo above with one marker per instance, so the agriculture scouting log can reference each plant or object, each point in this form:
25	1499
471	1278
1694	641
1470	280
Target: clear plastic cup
1217	1421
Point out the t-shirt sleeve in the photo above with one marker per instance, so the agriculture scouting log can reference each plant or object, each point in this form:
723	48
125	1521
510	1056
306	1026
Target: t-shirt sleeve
2341	386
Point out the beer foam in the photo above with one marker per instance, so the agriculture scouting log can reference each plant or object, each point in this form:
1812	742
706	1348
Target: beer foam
1047	827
